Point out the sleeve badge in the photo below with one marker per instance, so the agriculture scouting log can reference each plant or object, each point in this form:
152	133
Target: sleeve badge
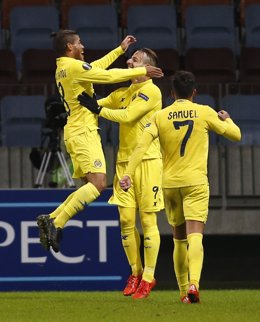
143	96
86	66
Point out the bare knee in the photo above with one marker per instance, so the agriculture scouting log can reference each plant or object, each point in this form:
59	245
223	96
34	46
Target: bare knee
179	232
98	180
101	185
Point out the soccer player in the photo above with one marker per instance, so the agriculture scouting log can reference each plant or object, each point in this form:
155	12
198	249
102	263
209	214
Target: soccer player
82	141
182	129
132	108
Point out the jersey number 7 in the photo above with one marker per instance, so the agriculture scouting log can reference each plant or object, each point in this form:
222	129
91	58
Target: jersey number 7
177	125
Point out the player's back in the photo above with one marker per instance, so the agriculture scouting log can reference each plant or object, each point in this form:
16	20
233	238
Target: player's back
183	133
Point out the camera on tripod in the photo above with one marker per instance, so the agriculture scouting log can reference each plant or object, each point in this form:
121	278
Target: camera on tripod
56	119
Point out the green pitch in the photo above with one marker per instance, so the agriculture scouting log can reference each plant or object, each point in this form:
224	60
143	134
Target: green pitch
161	306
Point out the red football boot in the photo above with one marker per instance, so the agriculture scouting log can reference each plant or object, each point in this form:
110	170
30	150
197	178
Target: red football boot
193	294
144	289
185	299
132	285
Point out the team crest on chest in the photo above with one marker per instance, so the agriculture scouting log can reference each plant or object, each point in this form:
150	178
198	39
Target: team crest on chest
134	97
97	164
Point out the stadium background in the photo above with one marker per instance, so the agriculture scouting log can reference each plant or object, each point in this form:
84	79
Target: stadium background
232	235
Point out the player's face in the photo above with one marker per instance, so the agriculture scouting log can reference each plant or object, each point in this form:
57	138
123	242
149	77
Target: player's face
78	49
137	60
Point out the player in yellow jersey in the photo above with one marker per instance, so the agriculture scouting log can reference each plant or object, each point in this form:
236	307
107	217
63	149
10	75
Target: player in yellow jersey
81	137
132	108
182	129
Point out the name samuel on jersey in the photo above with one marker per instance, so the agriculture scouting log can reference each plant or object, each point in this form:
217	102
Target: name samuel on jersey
188	114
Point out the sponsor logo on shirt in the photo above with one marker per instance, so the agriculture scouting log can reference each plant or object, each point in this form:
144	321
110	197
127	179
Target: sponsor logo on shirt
143	96
86	66
97	163
148	125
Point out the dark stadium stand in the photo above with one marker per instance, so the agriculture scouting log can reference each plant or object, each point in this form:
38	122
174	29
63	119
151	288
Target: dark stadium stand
96	33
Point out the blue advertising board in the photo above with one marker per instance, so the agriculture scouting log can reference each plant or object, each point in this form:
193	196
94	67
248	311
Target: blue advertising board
91	256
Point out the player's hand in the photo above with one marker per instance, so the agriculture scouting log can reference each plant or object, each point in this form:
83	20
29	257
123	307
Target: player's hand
223	115
129	40
89	102
125	183
153	72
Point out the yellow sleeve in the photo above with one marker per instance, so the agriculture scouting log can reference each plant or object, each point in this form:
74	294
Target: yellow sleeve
138	154
232	131
86	73
134	111
108	59
109	101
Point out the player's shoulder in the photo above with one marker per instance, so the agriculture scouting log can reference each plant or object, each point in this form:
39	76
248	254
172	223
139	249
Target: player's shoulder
149	89
149	85
80	65
204	107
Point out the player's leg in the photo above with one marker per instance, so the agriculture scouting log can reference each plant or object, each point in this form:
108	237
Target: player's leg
89	163
151	244
130	236
196	211
58	210
195	257
180	260
174	211
82	197
149	197
131	244
57	219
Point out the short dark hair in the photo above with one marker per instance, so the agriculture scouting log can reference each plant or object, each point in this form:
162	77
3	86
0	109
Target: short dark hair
183	84
151	55
61	39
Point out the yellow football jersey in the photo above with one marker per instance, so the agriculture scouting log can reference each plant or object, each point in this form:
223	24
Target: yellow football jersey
133	107
75	76
182	129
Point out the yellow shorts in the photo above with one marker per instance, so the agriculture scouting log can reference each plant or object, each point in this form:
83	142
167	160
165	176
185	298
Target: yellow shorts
186	203
146	190
86	153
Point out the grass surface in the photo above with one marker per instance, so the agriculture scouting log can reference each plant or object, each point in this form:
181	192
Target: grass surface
163	306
